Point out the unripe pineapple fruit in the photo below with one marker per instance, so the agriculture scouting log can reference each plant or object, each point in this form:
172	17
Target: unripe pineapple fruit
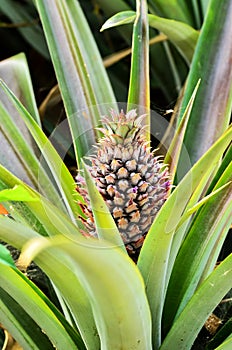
132	181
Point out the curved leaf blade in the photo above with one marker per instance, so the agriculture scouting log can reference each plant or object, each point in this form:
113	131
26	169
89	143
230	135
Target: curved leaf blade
203	244
38	213
105	224
156	250
173	152
17	193
183	36
17	146
60	173
211	63
18	235
200	306
120	18
139	86
20	325
14	285
81	76
123	318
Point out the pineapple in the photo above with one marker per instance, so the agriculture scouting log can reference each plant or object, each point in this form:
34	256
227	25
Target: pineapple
133	182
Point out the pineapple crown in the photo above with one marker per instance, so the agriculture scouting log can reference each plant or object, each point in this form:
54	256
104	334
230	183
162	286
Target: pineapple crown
122	128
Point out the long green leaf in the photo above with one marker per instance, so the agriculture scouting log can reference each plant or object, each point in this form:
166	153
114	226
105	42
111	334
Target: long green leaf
180	34
22	155
60	173
113	8
38	213
186	328
154	256
224	164
16	154
81	76
105	224
226	345
173	152
20	325
120	18
18	235
14	285
139	87
123	317
17	193
15	73
211	63
199	252
185	221
17	146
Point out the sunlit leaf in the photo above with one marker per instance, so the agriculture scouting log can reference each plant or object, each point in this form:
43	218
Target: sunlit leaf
123	318
18	235
60	173
39	308
18	193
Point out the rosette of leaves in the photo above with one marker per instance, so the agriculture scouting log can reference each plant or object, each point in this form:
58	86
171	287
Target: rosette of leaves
101	299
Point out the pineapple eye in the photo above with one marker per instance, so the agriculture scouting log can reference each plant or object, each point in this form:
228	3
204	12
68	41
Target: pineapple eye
135	177
122	173
131	165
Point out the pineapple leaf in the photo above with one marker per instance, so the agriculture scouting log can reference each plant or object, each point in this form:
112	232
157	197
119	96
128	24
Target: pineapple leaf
123	318
84	85
198	205
173	152
172	9
105	225
5	256
123	17
156	250
18	293
15	73
17	147
139	87
17	193
204	242
199	307
211	63
18	235
182	35
61	175
41	213
20	325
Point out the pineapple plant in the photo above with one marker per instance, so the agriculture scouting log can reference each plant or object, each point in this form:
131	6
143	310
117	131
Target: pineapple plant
132	180
101	298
